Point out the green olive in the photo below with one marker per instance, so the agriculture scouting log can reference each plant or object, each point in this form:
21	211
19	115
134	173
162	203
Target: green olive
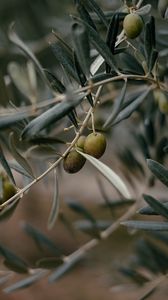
95	144
132	25
80	142
9	190
73	162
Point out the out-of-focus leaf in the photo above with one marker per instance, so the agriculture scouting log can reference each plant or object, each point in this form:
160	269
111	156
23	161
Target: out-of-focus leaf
163	7
6	166
160	153
82	47
86	225
146	225
15	166
4	100
133	274
149	130
82	77
49	262
157	206
12	261
85	16
7	121
100	45
41	152
64	58
26	282
144	10
40	239
55	203
158	170
14	38
127	111
116	107
143	145
80	209
96	8
8	210
55	83
19	158
67	266
20	77
119	203
109	174
147	210
130	63
149	39
51	115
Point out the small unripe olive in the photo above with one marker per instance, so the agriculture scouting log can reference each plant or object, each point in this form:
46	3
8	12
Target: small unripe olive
132	25
95	144
80	142
73	162
9	190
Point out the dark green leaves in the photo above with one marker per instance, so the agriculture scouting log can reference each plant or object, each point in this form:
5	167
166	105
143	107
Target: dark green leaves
100	45
158	170
6	166
12	261
51	115
150	43
82	47
146	225
157	206
128	110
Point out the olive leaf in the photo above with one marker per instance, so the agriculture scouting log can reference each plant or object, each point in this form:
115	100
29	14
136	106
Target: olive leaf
146	225
6	166
55	204
109	174
13	138
51	115
158	170
157	206
85	16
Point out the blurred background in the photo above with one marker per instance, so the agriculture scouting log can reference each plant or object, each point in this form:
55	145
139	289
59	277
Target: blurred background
95	276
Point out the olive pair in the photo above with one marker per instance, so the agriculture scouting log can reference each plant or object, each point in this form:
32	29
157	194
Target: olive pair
94	144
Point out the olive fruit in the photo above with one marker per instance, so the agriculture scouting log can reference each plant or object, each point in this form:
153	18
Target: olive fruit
80	142
73	162
132	25
9	190
95	144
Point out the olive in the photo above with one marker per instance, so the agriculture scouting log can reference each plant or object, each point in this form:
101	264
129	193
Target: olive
9	190
80	142
95	144
132	25
73	162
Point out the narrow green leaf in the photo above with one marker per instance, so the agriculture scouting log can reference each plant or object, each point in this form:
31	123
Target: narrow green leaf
41	239
26	282
85	16
12	261
148	210
158	170
109	174
112	35
144	10
80	209
82	47
146	225
51	115
116	107
96	8
157	206
67	266
8	211
4	100
19	158
64	58
100	45
6	166
55	203
127	111
49	262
